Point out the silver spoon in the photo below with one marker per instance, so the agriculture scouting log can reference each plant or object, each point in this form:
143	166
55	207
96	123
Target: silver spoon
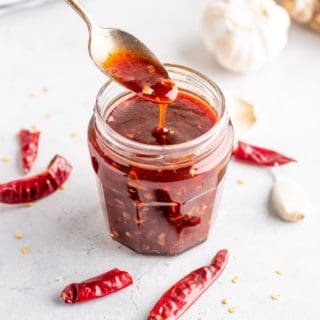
127	60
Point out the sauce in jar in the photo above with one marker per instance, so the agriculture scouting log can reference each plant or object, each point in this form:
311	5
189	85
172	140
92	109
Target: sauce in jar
187	118
159	191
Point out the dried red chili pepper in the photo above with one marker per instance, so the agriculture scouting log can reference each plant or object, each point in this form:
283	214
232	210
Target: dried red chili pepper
29	141
185	292
260	156
97	287
37	187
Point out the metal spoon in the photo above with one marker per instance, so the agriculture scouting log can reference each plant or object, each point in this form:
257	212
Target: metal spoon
127	60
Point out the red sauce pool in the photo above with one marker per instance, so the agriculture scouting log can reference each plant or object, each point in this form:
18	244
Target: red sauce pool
186	118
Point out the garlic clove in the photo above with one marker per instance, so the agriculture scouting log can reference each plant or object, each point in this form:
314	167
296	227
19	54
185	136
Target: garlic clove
288	198
242	114
314	24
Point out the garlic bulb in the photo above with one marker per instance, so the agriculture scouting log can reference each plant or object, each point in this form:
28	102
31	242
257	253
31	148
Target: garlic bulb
288	198
244	34
304	11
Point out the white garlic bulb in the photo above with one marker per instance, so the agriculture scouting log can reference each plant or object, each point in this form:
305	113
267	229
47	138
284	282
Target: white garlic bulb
288	198
244	34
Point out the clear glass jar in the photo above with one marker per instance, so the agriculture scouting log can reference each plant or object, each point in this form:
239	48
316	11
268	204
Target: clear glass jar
160	199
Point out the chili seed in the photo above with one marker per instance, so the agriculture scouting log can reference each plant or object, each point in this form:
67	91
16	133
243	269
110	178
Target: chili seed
25	250
130	135
29	204
44	90
48	115
279	272
74	134
148	196
18	235
5	159
275	296
115	234
151	68
162	239
147	90
225	301
192	172
35	128
240	181
235	279
232	310
62	187
34	95
120	203
128	234
125	215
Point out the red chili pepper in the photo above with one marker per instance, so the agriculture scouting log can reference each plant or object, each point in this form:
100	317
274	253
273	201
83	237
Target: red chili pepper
259	156
37	187
29	141
184	293
97	287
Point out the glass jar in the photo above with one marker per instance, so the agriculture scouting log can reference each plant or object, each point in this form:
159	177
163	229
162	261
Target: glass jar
160	199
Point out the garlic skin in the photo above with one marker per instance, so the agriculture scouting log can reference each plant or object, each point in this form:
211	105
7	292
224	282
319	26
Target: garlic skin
241	112
288	199
245	34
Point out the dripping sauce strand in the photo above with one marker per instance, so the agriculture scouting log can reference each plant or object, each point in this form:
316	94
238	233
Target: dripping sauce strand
161	132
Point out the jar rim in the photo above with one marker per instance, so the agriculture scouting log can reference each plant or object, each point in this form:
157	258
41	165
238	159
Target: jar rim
134	146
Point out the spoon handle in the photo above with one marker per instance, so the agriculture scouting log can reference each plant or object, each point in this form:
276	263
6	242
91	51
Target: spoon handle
82	12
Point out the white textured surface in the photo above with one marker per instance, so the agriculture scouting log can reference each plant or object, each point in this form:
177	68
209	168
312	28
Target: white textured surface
46	47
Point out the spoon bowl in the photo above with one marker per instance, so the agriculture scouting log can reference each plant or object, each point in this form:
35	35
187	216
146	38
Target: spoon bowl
127	60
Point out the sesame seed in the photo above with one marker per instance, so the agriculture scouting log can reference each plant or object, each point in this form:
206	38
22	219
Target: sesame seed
232	309
240	181
44	90
25	250
48	115
34	95
18	235
279	272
